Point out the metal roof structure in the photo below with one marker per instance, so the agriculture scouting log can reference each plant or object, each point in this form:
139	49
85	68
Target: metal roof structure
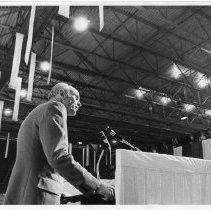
136	52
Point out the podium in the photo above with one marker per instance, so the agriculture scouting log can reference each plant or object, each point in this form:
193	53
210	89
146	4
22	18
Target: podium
150	178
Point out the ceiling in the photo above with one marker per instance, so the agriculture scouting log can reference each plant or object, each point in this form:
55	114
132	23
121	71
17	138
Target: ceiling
136	48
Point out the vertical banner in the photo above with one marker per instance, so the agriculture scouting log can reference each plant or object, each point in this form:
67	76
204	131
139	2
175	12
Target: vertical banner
101	17
83	156
94	161
17	100
50	69
31	77
87	155
16	61
64	11
7	146
1	111
30	34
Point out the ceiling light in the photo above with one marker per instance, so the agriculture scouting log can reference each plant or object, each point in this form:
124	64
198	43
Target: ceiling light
140	94
202	81
175	71
184	117
81	23
23	93
114	141
188	107
7	112
44	66
80	142
208	112
165	100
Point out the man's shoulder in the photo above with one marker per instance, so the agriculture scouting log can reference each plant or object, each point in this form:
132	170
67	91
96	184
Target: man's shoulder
55	106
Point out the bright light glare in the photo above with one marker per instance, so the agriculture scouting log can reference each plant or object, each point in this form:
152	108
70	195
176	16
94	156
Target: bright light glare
23	93
165	100
175	71
139	94
81	23
184	118
202	81
188	107
208	112
44	66
79	142
7	112
114	141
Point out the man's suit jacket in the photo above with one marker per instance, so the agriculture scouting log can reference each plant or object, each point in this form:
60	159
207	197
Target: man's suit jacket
43	160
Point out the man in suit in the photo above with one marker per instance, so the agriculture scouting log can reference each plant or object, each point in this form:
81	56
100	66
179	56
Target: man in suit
42	159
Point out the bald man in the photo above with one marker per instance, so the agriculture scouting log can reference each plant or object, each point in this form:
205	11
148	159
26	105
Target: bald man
42	159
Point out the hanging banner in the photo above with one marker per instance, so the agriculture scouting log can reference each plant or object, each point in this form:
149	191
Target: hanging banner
50	68
30	34
16	61
64	11
17	100
101	17
1	111
7	146
31	77
87	155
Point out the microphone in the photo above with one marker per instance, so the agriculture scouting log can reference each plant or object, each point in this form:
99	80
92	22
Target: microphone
112	133
120	138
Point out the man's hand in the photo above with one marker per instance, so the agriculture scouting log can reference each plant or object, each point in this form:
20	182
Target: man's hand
107	191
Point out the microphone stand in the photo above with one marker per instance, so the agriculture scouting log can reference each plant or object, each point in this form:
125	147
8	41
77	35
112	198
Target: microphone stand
105	142
121	139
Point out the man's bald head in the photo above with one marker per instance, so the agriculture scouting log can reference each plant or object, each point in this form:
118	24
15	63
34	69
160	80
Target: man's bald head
60	89
67	95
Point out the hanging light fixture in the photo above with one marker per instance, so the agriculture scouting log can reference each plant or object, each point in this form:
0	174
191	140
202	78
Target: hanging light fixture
44	66
165	100
188	107
23	93
7	112
81	23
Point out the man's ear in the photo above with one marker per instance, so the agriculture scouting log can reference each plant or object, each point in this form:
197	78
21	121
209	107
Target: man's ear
62	93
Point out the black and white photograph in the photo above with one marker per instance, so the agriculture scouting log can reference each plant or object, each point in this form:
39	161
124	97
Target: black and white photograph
105	103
